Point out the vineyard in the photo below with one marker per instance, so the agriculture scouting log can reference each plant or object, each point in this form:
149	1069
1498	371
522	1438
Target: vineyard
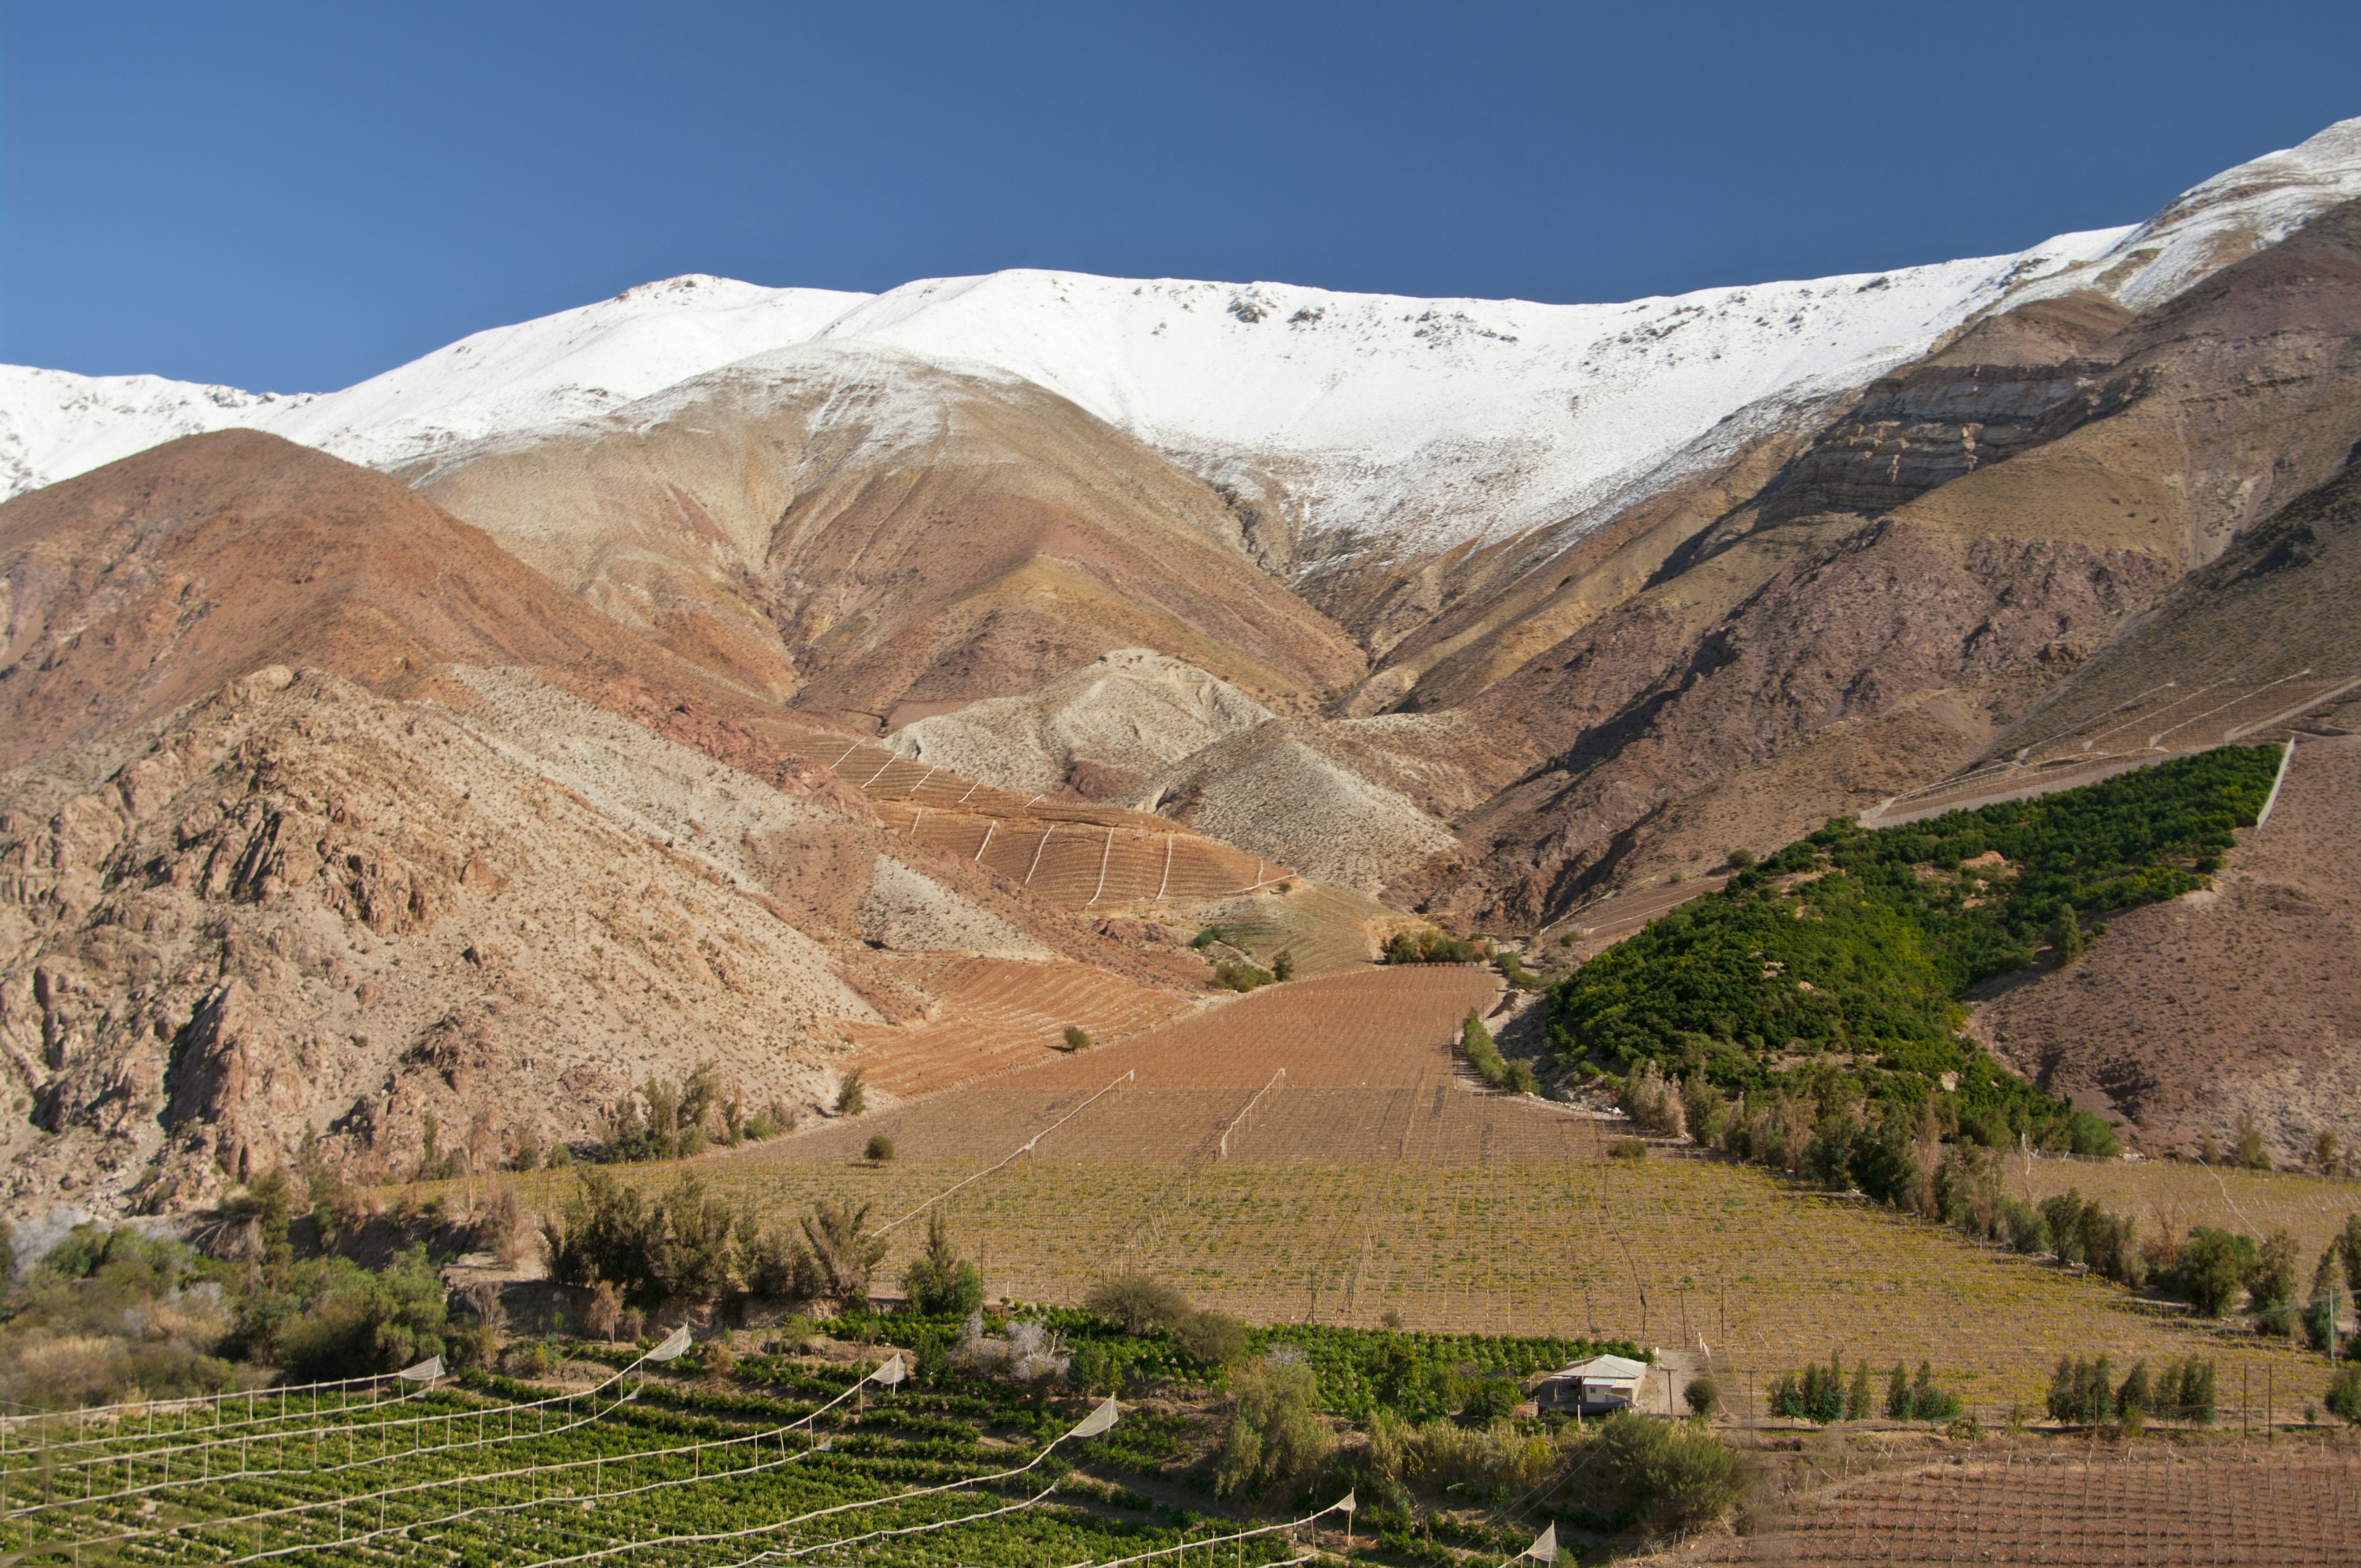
2160	1194
788	1463
1314	1153
1002	1013
2283	1504
1073	853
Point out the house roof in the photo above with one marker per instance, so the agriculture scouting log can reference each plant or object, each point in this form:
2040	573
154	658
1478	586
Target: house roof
1606	1369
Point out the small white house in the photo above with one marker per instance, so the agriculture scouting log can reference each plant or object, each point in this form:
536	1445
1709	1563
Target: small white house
1592	1388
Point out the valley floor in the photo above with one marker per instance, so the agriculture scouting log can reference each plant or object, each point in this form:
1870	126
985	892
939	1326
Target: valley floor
1316	1152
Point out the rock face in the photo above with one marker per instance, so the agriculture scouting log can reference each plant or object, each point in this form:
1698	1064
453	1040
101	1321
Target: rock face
303	908
1098	729
1888	575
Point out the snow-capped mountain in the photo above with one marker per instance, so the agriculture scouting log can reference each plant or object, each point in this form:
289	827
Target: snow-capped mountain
1411	423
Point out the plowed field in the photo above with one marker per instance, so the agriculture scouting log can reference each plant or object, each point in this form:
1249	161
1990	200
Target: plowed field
1003	1013
2287	1503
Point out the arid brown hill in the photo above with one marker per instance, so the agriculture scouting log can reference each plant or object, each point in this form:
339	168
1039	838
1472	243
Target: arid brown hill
2238	1002
487	864
878	537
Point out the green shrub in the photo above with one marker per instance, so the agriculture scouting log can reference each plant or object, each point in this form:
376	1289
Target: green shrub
1240	977
1488	1400
879	1149
1669	1477
353	1323
2213	1267
1282	968
1138	1303
1209	936
1430	947
1704	1395
851	1099
1627	1148
1476	1043
1214	1339
2344	1399
1076	1039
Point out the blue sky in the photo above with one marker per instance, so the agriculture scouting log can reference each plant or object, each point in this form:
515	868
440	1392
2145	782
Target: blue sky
296	197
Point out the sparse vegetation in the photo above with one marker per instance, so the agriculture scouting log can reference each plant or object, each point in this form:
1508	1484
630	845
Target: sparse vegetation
1431	946
1476	1042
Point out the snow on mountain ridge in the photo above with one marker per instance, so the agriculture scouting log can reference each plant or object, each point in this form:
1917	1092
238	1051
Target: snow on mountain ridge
1388	422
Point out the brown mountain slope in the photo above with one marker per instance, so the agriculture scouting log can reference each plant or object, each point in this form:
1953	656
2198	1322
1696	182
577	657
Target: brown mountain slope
146	584
1891	578
546	860
874	533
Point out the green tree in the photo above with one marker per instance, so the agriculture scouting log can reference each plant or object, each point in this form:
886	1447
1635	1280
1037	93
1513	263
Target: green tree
2065	938
1275	1431
2213	1267
1898	1395
2250	1152
1076	1038
353	1323
2271	1279
1283	966
1667	1476
851	1099
2344	1399
938	1281
837	1234
1858	1406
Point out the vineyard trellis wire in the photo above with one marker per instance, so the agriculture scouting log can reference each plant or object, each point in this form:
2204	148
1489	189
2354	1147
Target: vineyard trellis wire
670	1349
1099	1420
384	1495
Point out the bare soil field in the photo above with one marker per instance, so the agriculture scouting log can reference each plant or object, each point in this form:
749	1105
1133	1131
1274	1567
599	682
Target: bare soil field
1001	1014
2292	1502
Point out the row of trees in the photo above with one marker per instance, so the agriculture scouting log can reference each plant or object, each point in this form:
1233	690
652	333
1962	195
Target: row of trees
2083	1393
1823	1394
693	1243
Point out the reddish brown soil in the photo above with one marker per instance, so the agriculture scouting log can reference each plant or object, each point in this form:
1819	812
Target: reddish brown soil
1354	1067
144	584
